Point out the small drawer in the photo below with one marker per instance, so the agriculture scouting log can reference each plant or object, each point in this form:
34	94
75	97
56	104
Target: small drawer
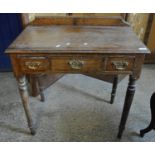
78	64
120	64
34	64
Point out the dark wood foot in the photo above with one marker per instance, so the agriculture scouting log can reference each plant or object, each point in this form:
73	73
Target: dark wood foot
42	96
113	93
33	131
25	101
127	104
152	123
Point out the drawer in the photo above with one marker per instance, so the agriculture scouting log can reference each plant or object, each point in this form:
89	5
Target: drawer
76	64
34	64
120	63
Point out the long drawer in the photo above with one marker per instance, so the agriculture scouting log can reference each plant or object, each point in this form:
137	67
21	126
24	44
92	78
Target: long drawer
77	64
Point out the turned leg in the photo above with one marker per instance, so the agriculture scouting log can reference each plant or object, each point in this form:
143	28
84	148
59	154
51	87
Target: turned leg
127	104
41	90
113	93
25	101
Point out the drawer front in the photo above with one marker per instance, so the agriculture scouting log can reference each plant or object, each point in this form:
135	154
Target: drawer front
77	65
34	64
120	64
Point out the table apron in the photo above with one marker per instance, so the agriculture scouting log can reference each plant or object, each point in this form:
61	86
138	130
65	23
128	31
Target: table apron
120	64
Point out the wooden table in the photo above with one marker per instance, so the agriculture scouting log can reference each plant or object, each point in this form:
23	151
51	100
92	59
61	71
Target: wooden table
67	47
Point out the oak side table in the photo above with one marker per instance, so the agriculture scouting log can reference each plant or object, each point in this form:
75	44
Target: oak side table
71	45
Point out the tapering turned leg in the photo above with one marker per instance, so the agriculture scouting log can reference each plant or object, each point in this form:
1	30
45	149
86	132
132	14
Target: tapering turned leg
42	96
114	87
127	104
25	101
41	90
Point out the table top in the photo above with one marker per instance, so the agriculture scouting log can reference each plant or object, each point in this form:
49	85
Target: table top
77	39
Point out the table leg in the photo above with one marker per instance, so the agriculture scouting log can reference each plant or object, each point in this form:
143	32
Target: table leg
25	100
114	87
127	104
41	90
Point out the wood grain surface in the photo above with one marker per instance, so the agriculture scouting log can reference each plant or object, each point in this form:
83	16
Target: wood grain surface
84	39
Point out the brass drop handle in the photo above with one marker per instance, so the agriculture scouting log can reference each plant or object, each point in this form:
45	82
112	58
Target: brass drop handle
33	65
76	64
120	65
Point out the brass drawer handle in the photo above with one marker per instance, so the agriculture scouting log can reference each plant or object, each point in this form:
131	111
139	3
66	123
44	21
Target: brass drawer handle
120	65
33	65
76	64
